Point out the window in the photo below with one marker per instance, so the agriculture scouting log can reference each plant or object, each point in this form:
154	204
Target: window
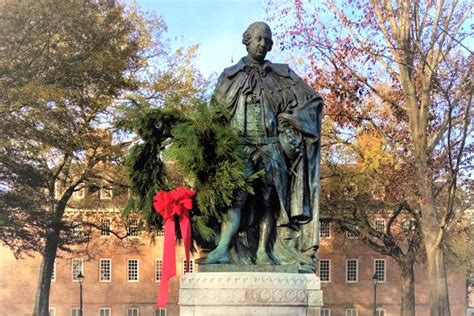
105	311
380	312
158	268
470	294
325	312
52	311
133	311
133	227
77	267
105	270
77	229
132	270
380	225
53	274
379	269
351	270
160	312
80	193
105	193
105	224
160	232
350	235
352	312
191	266
408	225
75	311
324	229
325	270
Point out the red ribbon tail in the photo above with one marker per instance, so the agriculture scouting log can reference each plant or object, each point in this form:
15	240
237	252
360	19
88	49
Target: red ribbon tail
162	299
185	225
169	262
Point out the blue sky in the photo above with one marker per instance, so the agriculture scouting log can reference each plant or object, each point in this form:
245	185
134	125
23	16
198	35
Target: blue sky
216	25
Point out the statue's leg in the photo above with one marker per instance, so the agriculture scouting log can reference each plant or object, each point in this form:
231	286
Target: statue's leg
230	227
228	230
265	254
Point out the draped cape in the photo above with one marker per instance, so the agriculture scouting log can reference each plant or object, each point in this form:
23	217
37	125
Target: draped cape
286	99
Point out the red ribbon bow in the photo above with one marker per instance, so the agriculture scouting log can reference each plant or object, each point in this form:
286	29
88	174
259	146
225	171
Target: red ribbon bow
168	204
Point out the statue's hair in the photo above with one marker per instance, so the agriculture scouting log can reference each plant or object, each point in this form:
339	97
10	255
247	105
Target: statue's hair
247	34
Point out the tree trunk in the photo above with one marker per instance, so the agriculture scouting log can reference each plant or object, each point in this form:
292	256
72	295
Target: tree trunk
433	240
46	272
407	290
439	299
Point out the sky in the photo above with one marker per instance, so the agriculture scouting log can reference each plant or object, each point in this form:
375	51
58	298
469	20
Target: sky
216	25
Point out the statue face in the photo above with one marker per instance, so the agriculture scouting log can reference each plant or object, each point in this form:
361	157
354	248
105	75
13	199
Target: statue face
260	43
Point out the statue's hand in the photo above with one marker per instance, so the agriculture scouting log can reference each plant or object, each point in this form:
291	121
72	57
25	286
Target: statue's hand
293	138
290	143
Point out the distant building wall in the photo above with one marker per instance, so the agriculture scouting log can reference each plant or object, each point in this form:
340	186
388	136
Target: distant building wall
340	295
19	280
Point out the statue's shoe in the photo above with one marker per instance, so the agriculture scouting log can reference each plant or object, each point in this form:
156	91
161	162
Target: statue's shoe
214	258
264	258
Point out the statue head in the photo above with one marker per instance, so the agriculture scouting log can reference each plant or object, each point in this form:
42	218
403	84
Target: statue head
258	40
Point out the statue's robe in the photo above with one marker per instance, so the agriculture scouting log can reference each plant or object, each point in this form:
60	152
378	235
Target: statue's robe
284	97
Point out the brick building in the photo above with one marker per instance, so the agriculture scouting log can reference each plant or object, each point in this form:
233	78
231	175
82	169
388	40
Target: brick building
122	269
347	268
122	275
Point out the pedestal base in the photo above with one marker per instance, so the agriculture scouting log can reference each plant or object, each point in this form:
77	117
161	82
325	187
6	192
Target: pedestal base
250	294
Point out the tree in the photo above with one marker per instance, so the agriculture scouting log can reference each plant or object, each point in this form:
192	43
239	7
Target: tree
357	184
62	65
412	60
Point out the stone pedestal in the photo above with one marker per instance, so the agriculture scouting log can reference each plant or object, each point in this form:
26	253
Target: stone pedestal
250	294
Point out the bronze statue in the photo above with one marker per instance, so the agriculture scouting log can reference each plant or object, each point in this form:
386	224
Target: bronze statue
279	119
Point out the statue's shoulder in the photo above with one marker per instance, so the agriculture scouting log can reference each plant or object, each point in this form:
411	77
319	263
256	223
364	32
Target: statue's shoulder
231	71
282	70
229	79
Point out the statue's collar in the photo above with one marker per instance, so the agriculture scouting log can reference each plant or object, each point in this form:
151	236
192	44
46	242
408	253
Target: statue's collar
280	69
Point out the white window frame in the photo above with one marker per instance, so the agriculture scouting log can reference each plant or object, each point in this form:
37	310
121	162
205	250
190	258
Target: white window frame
128	270
380	312
329	270
105	233
324	234
78	229
160	232
191	266
470	296
384	269
75	311
161	311
356	271
381	222
350	312
133	233
133	310
105	309
158	269
106	193
53	274
350	235
74	278
408	225
80	193
325	312
100	270
52	311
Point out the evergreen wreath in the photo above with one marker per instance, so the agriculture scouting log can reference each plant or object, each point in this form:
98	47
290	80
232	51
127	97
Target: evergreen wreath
202	148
